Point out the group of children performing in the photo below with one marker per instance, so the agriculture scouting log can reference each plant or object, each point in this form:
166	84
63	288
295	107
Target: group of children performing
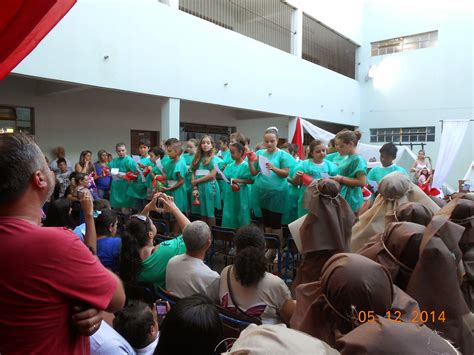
266	184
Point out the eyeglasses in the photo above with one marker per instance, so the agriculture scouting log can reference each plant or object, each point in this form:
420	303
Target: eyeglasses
142	218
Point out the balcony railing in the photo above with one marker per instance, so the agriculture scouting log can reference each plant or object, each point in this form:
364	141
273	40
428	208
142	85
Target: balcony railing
267	21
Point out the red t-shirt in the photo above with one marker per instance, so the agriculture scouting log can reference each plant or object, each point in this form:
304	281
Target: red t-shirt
44	272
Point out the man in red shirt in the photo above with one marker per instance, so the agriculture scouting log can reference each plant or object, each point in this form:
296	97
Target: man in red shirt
45	273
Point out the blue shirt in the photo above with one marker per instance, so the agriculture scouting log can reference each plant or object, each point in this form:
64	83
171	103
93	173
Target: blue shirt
103	182
108	252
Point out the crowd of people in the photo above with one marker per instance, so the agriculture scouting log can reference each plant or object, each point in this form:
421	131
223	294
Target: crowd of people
384	269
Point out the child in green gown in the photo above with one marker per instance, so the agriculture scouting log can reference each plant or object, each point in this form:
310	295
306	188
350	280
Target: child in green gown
388	153
119	197
188	158
236	210
204	179
352	171
314	166
177	171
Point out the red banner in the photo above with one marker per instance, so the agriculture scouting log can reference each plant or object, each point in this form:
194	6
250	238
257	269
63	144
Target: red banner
298	138
23	24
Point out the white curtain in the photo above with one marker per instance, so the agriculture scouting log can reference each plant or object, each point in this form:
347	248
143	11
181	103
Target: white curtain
405	157
451	139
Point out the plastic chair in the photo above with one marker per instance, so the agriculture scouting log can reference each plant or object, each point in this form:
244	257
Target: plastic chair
224	236
161	226
143	291
232	323
272	241
293	256
167	296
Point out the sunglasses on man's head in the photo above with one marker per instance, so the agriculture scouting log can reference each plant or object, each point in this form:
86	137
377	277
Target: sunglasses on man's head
140	217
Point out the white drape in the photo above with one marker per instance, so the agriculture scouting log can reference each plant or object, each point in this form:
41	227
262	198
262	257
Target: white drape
405	157
451	139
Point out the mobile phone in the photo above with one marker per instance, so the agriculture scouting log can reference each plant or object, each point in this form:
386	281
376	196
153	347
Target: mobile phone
161	308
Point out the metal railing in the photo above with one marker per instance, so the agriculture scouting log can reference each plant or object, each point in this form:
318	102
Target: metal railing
267	21
325	47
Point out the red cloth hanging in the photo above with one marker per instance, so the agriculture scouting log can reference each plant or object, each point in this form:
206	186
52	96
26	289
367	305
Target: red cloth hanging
23	24
298	138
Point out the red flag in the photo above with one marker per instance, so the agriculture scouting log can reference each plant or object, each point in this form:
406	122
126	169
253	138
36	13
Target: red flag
23	24
298	138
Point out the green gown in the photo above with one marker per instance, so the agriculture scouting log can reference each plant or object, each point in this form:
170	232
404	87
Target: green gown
119	197
179	194
209	193
166	161
236	210
271	192
154	267
291	213
188	158
350	167
226	160
138	188
336	158
315	170
379	172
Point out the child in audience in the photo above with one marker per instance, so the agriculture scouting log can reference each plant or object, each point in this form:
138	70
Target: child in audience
236	211
119	197
314	166
78	183
62	177
108	246
352	171
103	178
188	156
204	179
138	324
177	172
137	188
424	180
388	154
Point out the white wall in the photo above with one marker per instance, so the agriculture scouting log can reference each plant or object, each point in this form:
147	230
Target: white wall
423	86
98	119
156	50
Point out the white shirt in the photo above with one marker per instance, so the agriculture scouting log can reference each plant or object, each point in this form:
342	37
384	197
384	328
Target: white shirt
107	341
186	275
149	349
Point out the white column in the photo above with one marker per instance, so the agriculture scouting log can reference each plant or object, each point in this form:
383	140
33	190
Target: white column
170	119
297	33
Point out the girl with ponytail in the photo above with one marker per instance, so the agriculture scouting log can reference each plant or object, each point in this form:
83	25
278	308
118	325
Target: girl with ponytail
352	171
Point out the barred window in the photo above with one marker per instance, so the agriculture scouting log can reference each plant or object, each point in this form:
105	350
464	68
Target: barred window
406	43
402	135
17	119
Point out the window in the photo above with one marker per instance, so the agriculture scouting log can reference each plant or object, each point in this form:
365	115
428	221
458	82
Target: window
402	135
17	119
193	130
402	44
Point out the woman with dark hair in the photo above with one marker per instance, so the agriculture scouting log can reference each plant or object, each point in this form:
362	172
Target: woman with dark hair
246	287
103	178
193	326
108	246
85	164
139	259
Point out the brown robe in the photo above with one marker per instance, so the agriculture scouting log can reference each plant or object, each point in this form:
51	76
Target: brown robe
350	284
424	266
326	229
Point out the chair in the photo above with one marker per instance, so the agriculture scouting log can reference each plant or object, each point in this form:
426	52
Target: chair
293	256
161	238
224	236
272	241
167	296
232	323
161	226
143	291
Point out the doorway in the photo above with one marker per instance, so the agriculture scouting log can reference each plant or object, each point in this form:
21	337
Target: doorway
149	137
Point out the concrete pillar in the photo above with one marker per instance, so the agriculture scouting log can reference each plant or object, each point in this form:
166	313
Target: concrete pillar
297	33
170	119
